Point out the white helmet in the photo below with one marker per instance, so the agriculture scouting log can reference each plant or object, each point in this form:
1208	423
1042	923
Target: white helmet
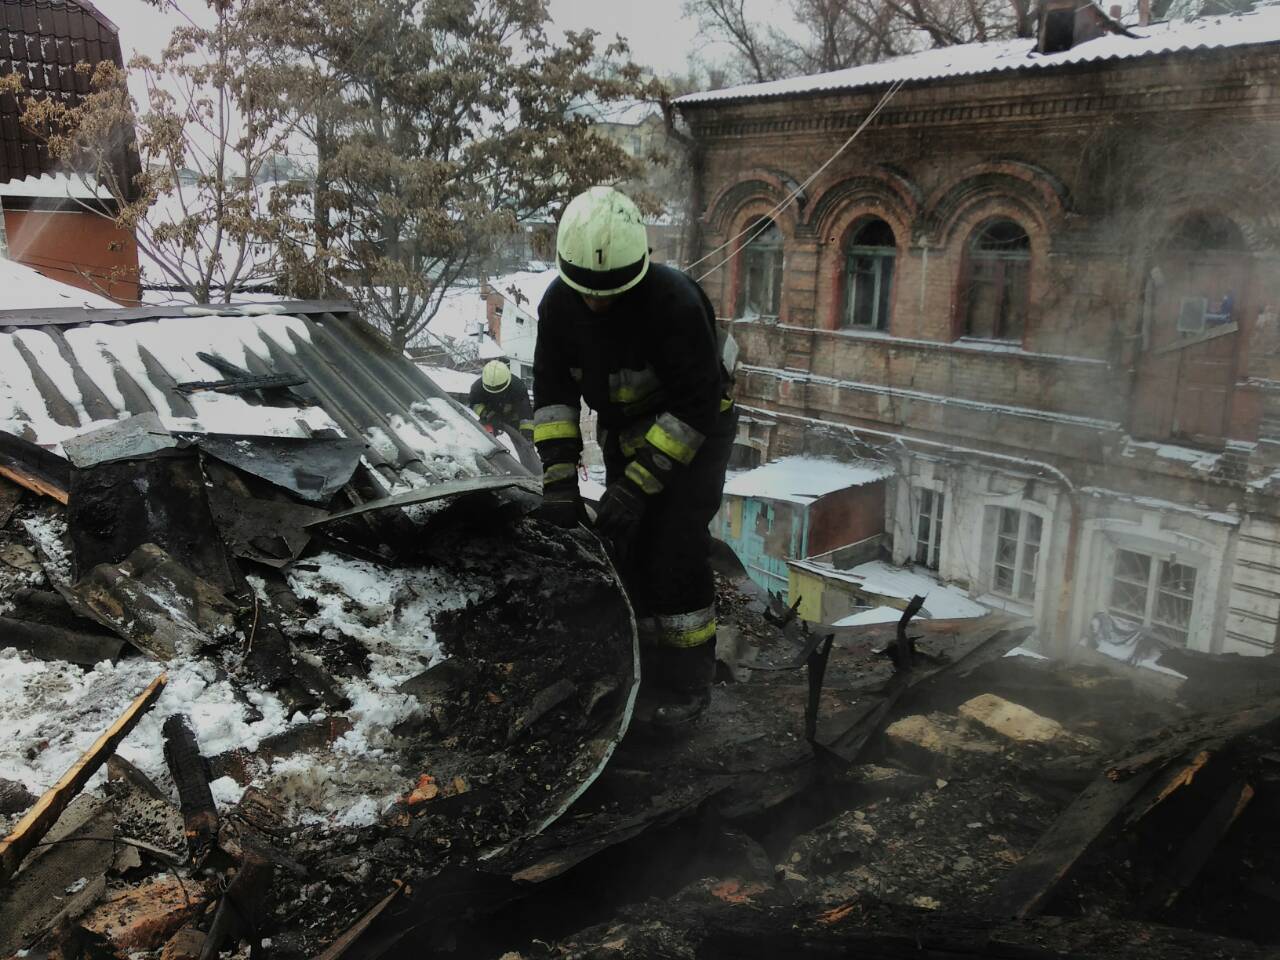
495	376
601	246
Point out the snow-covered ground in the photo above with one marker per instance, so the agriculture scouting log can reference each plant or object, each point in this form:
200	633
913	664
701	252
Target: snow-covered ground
52	711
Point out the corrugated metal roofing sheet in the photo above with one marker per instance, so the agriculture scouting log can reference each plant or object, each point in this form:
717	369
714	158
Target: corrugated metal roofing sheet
1260	27
69	371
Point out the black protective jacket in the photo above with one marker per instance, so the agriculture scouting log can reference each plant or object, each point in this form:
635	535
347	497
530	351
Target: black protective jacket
509	406
650	367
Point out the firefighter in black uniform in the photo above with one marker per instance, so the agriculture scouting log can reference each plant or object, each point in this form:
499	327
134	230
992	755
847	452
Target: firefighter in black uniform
499	399
639	343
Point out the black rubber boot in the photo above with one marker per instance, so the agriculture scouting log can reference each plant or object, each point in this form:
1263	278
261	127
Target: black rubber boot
689	672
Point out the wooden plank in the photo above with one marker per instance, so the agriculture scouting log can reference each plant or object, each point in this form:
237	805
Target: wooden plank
1210	733
1029	887
30	481
32	827
353	933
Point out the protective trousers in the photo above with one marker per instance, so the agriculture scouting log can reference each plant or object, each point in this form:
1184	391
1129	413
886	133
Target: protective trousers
667	569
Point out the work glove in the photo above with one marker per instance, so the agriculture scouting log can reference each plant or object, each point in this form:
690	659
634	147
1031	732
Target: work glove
618	517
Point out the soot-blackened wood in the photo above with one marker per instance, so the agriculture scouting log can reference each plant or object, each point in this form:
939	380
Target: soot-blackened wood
904	649
1210	733
49	642
191	776
1032	883
239	913
1198	848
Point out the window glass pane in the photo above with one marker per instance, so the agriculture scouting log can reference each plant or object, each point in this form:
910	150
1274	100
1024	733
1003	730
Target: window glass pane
1177	578
997	266
922	552
886	284
862	291
1128	599
1172	610
1027	581
760	290
1008	522
1034	525
1133	566
774	295
939	501
1003	580
1014	305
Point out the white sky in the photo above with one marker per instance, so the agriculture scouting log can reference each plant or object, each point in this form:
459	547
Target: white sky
659	34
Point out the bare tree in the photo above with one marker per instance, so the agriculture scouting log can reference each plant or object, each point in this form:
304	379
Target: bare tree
827	35
727	20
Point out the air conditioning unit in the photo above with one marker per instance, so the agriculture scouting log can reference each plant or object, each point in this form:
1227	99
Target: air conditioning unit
1191	316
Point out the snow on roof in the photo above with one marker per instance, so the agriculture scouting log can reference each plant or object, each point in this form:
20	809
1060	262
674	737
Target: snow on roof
461	314
448	379
869	616
525	288
71	375
26	289
1262	26
804	479
941	602
55	186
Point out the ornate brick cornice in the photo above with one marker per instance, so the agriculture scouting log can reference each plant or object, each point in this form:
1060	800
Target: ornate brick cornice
744	120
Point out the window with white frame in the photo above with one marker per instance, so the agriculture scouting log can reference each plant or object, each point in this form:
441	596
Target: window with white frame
1154	591
1017	554
932	504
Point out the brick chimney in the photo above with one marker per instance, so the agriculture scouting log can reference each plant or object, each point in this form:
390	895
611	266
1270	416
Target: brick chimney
1144	12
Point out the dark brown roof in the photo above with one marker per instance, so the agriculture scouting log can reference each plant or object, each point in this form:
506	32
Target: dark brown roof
44	40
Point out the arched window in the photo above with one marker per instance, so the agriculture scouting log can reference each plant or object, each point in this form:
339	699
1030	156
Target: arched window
997	268
760	271
868	275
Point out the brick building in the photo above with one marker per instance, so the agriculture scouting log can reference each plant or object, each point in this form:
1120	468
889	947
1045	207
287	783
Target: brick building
52	220
1042	285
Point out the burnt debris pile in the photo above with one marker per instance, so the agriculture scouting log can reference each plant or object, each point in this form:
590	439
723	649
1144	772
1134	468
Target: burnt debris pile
955	797
252	683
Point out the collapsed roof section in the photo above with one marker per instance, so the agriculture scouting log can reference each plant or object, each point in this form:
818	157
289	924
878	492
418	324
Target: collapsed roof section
293	370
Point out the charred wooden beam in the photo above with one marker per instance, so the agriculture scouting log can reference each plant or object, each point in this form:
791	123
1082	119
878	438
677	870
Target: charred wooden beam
58	643
1029	887
191	776
1198	848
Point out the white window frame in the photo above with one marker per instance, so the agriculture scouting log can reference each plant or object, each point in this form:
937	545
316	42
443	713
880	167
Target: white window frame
1157	561
1020	570
937	518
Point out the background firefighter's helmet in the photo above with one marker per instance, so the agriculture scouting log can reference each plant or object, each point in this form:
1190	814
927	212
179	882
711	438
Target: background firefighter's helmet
602	248
496	376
